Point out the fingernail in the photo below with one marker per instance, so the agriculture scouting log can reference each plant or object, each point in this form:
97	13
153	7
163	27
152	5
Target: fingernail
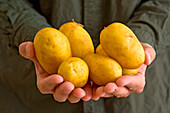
149	57
26	51
120	96
23	49
95	98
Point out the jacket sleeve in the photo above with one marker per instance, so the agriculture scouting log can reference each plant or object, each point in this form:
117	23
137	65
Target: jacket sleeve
19	21
151	23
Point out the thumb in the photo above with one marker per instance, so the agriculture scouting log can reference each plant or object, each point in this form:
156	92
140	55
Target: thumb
150	53
26	49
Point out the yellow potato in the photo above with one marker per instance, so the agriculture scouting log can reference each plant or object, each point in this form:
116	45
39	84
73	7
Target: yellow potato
102	69
129	71
74	70
79	38
125	71
120	43
52	48
100	51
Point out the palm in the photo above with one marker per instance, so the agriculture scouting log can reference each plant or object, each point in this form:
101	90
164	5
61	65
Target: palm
54	84
127	84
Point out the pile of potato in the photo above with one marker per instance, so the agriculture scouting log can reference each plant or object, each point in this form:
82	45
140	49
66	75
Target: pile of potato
69	52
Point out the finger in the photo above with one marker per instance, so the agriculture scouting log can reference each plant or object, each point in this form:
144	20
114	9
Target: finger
126	79
26	49
142	70
150	53
100	91
76	95
88	91
135	83
110	87
40	72
62	92
94	96
121	92
48	84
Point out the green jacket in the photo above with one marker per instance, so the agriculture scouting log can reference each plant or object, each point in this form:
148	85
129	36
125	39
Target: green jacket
21	19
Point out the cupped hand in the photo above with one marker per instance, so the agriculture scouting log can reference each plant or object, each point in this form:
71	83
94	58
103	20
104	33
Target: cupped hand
54	84
126	84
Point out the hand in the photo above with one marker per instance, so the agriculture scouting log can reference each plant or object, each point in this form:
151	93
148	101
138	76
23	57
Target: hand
126	84
54	84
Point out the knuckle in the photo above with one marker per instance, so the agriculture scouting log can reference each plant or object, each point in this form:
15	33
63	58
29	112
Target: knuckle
43	92
41	88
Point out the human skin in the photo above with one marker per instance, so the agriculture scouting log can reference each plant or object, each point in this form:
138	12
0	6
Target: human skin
126	84
54	83
63	90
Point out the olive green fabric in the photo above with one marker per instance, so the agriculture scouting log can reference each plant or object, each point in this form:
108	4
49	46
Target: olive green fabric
21	19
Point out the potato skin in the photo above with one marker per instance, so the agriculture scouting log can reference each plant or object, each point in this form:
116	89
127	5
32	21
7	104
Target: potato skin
125	71
102	69
51	48
129	71
74	70
100	51
120	43
80	40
